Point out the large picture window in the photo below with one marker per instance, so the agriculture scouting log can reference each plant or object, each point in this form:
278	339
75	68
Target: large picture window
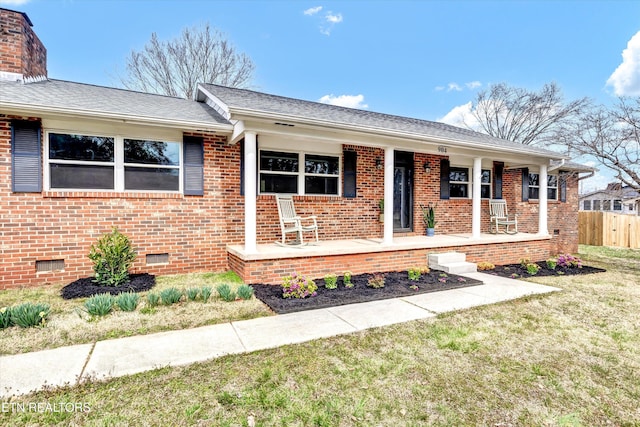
86	162
534	186
460	183
281	172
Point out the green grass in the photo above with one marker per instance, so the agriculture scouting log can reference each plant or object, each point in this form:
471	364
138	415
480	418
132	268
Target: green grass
570	358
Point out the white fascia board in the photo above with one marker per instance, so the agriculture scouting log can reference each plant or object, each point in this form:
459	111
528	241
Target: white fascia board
394	133
213	101
123	118
238	132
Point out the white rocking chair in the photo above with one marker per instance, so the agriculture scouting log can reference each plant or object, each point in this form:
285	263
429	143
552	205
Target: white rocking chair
292	223
499	216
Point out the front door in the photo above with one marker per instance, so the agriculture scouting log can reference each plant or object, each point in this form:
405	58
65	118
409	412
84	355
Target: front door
403	192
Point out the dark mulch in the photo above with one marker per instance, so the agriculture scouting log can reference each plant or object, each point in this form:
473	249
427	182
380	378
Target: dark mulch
516	271
86	287
396	285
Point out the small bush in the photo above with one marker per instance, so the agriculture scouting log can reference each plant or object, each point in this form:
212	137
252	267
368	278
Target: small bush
192	293
330	281
5	317
376	282
112	256
346	279
524	262
99	305
569	261
484	266
170	296
295	286
205	293
552	263
533	268
28	314
153	299
225	292
127	301
414	273
245	292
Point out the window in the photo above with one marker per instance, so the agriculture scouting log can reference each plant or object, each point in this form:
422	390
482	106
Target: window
534	186
630	207
459	183
586	205
597	205
90	162
617	205
280	172
606	205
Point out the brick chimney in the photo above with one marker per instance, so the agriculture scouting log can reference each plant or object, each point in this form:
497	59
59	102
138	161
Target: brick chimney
22	54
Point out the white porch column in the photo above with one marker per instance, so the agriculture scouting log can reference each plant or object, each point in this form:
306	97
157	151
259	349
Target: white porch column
388	196
250	192
542	202
476	202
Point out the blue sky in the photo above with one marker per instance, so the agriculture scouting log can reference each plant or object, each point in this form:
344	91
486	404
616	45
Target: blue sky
421	59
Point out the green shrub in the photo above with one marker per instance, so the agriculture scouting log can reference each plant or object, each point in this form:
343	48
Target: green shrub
533	268
153	299
99	305
170	296
294	286
5	317
127	301
414	273
192	293
28	314
330	281
376	282
206	292
346	279
552	263
245	292
225	292
112	256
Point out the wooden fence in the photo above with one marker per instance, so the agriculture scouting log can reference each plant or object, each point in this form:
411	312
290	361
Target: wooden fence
609	229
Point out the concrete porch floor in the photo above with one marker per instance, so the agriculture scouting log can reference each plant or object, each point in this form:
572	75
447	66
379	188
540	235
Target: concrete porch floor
360	246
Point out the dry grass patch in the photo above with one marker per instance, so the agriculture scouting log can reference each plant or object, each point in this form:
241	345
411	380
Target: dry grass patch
570	358
70	324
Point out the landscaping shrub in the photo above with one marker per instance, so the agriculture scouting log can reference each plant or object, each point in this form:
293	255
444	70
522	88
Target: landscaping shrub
153	299
552	263
245	292
27	315
484	266
170	296
127	301
225	292
205	292
376	282
415	273
330	281
99	305
192	293
569	261
5	317
112	256
532	268
346	279
295	286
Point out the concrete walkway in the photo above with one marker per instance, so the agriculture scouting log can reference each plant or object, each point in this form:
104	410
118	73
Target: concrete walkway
24	373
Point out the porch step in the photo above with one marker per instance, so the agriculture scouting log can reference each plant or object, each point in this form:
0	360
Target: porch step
451	262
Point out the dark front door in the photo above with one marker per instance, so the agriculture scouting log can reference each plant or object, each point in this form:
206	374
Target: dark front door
403	192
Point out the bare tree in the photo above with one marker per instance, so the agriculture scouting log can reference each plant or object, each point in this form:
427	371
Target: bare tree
612	135
198	55
527	117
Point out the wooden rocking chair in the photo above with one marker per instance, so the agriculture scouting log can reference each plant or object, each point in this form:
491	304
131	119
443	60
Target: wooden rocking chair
499	216
292	223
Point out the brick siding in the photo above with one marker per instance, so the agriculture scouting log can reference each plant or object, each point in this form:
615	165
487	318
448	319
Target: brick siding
21	51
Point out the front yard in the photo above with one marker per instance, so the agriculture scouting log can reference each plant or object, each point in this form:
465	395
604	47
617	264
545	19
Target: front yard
570	358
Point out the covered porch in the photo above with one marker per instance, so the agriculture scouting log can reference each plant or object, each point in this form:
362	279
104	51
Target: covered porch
268	263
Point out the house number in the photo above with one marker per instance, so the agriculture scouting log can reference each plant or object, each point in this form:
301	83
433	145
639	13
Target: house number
442	149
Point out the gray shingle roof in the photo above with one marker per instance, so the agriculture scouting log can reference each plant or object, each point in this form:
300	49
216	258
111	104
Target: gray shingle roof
244	99
99	100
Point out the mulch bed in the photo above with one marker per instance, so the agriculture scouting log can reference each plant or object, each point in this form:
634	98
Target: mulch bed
517	271
86	287
396	285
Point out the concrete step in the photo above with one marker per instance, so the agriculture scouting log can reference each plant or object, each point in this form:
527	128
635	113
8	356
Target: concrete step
457	267
446	258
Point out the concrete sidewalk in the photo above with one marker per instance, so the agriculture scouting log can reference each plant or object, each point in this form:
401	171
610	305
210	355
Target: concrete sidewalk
24	373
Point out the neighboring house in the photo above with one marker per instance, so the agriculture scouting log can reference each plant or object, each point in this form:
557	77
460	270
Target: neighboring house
615	198
191	182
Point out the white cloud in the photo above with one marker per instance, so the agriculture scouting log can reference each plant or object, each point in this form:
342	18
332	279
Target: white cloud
461	116
350	101
454	86
626	78
473	85
312	10
13	2
439	88
334	19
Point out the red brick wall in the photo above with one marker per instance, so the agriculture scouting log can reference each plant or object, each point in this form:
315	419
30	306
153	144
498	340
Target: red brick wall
20	49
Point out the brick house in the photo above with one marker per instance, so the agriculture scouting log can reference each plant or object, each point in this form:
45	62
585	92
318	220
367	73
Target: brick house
191	182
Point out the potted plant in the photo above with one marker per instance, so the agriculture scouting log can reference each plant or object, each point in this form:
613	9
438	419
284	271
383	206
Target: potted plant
429	218
381	206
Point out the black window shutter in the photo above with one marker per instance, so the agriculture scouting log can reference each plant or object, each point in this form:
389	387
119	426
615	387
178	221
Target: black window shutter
193	155
350	164
26	157
498	168
562	182
444	179
525	184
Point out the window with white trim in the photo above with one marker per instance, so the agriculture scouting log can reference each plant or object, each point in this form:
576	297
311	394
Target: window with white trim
586	205
460	184
534	187
281	172
617	205
92	162
597	205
